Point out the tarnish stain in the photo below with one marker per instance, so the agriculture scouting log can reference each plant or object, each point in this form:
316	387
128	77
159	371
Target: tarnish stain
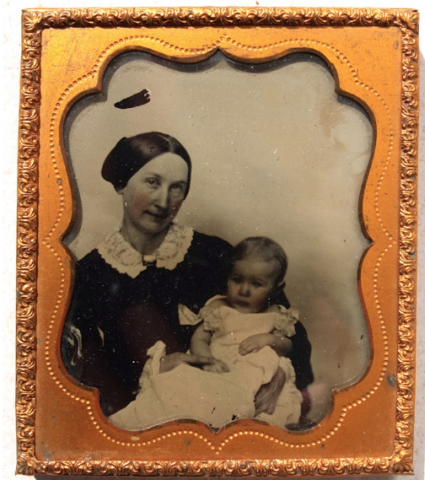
391	380
46	452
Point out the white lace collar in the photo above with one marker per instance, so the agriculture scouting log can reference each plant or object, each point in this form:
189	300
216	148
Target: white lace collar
123	257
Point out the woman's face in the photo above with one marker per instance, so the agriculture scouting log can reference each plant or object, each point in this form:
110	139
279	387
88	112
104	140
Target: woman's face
154	194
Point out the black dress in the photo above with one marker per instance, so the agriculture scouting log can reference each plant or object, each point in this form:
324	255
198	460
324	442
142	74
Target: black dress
115	317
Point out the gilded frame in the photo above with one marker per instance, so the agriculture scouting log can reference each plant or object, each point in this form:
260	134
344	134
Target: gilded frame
41	168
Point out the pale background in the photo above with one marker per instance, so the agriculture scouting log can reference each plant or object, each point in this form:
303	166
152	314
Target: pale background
10	39
275	152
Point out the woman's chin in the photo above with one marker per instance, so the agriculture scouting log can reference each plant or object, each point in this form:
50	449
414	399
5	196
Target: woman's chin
154	225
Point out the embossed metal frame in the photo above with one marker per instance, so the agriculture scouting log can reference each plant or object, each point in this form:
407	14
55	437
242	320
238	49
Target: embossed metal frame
389	213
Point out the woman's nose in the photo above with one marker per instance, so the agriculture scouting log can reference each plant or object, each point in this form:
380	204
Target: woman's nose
161	198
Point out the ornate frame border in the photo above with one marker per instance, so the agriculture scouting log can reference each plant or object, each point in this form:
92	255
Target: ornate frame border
34	22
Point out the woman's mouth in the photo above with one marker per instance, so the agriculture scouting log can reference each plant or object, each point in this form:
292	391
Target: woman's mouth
159	216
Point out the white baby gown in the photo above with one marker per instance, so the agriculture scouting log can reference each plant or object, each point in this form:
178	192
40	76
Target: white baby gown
216	399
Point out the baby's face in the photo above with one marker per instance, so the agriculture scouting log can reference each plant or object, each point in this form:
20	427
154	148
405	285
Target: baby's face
250	284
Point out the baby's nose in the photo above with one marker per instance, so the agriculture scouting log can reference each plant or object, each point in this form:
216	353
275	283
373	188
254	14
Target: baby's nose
244	289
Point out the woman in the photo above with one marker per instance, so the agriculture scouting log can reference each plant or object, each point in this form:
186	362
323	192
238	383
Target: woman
145	282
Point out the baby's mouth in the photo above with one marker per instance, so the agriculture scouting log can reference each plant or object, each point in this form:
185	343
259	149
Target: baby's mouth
242	304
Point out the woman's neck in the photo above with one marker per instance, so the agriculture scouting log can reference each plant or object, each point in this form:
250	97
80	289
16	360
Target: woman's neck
144	243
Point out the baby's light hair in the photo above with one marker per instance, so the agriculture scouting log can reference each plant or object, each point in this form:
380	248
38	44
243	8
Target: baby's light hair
265	249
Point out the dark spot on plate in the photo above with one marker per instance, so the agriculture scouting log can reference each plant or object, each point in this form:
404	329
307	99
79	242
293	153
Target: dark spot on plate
135	100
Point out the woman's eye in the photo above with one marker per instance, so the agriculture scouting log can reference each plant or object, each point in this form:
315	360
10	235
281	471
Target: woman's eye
153	182
177	188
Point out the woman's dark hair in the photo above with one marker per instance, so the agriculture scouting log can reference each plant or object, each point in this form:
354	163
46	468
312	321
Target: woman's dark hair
266	249
131	154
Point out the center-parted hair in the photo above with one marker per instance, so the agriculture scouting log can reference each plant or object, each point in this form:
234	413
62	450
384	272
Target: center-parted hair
265	249
131	154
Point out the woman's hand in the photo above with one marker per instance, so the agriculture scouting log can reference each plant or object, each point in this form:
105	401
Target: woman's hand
173	360
256	343
216	367
267	396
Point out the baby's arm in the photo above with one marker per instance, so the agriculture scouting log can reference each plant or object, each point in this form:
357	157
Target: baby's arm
200	345
200	342
254	343
281	344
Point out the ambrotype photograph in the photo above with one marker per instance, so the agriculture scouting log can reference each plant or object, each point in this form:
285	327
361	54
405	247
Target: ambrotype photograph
217	240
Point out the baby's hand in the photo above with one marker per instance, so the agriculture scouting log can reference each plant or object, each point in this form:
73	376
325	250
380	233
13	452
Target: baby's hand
217	366
256	342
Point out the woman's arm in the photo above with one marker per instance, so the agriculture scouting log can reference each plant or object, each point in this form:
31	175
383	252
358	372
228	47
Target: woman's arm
267	397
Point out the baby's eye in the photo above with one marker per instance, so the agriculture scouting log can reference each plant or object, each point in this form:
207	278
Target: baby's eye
257	284
236	279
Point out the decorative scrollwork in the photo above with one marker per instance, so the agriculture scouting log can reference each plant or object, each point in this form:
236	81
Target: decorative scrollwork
255	468
402	459
34	21
27	249
196	17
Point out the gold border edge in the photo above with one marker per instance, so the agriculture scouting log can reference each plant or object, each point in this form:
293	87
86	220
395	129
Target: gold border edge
27	223
403	451
34	19
33	22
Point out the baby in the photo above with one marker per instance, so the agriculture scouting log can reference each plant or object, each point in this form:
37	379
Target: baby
246	332
246	335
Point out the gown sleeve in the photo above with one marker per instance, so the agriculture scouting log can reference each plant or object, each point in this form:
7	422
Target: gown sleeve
300	357
92	351
82	337
286	320
212	318
206	270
